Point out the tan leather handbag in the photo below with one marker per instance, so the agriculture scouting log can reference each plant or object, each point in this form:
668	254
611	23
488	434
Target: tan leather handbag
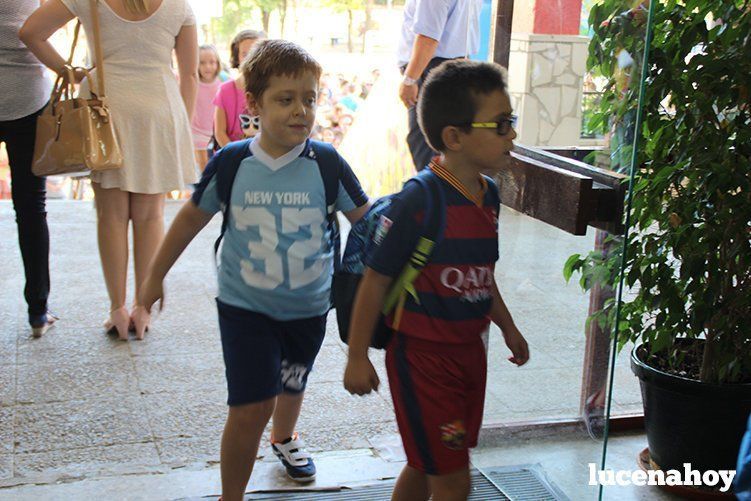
76	134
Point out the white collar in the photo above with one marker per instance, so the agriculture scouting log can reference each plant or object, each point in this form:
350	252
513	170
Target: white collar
274	163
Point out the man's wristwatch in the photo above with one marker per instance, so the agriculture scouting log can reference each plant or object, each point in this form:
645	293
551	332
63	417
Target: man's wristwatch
409	81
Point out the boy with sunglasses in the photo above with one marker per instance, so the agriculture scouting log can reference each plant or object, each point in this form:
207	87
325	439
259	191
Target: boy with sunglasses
436	359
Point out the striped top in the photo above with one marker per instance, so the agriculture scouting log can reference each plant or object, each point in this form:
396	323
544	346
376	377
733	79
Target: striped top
455	287
24	84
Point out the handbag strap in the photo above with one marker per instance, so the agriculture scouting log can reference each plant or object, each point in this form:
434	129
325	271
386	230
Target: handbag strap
97	43
75	41
61	84
64	80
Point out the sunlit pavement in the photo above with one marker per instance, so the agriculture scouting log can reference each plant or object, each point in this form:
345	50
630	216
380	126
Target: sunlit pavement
79	405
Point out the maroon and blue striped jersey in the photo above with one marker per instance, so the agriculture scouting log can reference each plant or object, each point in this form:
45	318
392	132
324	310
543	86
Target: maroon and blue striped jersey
454	289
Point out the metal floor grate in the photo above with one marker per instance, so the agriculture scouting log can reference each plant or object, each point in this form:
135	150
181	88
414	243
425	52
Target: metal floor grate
516	483
522	483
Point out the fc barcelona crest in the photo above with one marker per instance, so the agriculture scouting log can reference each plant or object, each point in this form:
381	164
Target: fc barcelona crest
453	434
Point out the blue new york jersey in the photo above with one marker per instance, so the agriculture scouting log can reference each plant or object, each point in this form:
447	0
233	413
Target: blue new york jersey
277	258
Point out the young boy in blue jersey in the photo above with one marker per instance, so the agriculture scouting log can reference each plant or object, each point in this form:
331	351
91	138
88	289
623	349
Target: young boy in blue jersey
436	359
275	264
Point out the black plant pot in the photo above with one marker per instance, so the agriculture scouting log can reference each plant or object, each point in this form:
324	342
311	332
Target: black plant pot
688	421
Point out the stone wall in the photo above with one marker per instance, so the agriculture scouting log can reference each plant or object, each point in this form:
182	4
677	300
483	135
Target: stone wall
545	83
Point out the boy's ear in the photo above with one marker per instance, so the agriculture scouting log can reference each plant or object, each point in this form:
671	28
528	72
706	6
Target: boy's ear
253	105
451	136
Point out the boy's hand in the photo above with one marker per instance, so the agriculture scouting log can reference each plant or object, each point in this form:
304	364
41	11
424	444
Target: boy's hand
152	291
518	346
360	377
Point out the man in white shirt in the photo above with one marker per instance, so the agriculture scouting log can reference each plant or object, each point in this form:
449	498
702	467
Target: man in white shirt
432	32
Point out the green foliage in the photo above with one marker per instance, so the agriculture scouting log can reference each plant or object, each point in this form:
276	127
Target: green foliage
236	15
242	14
688	258
344	5
590	127
348	6
587	5
268	5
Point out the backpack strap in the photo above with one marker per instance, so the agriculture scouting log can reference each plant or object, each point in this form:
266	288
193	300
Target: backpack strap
228	161
433	225
330	167
231	156
435	222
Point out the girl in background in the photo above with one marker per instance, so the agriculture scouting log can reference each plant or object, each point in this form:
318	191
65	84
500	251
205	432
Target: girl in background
230	101
209	67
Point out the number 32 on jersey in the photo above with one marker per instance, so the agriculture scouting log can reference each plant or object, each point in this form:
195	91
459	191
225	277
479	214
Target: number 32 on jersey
271	274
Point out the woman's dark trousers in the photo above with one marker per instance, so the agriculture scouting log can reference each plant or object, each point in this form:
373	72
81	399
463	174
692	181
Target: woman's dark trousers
28	193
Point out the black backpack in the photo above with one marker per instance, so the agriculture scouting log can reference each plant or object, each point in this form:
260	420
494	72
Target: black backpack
359	243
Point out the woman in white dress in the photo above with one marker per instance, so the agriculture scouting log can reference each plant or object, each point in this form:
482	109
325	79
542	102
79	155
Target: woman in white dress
151	115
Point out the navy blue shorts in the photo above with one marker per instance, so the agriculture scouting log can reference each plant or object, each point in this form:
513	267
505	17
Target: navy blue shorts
264	357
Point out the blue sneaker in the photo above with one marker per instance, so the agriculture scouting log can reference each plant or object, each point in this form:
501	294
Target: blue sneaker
294	457
42	323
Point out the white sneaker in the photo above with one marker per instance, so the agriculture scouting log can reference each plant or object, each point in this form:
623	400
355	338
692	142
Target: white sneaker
294	457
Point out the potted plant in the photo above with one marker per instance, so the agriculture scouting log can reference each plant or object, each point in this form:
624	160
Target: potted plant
686	262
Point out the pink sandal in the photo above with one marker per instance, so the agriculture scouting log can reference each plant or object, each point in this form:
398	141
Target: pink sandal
118	323
141	319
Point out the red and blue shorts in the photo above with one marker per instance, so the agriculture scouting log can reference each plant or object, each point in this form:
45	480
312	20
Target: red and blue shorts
438	392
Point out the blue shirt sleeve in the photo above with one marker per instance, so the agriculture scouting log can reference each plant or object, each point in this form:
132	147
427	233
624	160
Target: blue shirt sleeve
398	230
431	17
350	194
206	196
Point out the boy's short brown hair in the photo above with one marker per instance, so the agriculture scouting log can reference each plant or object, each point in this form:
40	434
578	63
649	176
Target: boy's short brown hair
449	96
276	58
234	48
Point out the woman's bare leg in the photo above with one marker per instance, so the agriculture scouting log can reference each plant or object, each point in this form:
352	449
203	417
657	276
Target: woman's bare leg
113	212
147	214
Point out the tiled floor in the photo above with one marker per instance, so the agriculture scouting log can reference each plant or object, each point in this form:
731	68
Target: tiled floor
564	458
78	404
